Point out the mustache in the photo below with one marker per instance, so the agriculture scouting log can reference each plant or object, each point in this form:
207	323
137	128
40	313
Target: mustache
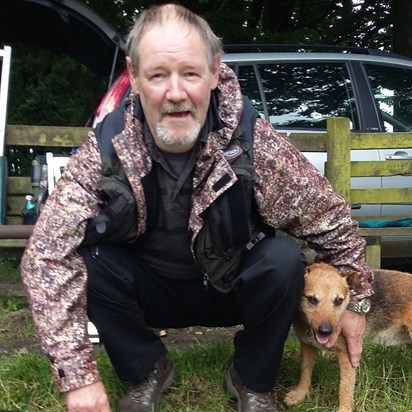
177	107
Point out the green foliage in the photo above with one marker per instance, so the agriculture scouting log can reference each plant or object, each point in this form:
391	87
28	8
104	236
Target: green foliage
363	23
50	89
119	13
11	305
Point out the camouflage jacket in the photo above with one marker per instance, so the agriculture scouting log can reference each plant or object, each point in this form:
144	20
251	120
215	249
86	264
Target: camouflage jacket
290	194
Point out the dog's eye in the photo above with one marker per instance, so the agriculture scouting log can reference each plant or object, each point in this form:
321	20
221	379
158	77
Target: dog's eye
338	301
312	300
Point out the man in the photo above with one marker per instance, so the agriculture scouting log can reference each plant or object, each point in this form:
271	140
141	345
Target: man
158	263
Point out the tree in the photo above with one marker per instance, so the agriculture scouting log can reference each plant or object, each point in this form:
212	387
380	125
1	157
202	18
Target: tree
402	26
51	90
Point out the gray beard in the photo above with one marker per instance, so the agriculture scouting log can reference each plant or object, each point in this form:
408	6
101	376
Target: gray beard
176	142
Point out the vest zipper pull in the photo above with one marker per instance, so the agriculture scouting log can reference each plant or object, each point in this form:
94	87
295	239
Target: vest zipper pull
206	280
95	253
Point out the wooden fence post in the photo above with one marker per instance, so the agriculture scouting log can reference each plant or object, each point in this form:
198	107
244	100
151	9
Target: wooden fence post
338	159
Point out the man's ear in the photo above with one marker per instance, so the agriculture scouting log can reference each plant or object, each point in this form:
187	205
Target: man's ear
132	75
215	70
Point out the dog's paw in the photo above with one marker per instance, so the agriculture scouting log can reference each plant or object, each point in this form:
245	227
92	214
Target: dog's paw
295	396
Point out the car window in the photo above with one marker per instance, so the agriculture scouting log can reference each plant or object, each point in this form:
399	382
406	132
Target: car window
302	95
250	85
392	89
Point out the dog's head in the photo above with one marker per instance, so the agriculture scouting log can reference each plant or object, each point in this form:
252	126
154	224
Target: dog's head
324	299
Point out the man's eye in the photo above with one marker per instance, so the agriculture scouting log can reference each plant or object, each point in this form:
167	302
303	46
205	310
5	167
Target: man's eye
157	76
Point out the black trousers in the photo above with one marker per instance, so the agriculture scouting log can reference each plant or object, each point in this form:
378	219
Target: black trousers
125	302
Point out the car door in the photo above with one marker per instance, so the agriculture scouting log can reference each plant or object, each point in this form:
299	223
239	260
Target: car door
392	90
299	96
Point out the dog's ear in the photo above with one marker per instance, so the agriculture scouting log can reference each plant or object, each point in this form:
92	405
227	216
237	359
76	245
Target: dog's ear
353	280
308	269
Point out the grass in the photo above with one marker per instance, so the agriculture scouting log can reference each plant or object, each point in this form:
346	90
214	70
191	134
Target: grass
9	270
26	384
384	379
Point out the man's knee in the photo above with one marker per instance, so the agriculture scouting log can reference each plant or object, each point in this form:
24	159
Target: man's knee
280	258
283	250
273	270
270	280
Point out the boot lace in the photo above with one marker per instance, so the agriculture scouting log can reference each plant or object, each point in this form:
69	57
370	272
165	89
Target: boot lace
142	393
260	401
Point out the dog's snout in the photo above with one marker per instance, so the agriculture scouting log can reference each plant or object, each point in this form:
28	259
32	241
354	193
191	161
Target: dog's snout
325	329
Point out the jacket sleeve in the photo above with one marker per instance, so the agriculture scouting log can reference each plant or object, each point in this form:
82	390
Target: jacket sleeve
54	274
292	195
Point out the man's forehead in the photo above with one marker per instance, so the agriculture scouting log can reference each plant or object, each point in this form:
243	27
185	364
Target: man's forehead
170	25
171	37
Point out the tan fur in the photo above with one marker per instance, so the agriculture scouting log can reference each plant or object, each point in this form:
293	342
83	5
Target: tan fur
324	300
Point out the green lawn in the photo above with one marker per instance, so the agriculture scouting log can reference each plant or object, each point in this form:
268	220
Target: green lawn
384	379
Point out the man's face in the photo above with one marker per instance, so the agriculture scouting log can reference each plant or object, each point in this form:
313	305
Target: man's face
174	81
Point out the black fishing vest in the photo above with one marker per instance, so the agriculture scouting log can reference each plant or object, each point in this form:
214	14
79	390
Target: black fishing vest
231	225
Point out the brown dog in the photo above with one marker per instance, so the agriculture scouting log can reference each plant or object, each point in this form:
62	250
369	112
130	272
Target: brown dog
324	300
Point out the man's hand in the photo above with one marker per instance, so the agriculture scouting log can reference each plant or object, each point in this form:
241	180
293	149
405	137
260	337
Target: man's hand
91	398
352	326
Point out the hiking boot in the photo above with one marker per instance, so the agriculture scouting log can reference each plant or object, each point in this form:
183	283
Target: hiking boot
247	400
145	396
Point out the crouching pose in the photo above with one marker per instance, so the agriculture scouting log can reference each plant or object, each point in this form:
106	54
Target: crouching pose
165	218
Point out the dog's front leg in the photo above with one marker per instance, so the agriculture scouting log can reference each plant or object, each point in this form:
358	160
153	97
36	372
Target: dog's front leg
347	378
298	393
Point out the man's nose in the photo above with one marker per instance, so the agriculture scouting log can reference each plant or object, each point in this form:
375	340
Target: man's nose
176	91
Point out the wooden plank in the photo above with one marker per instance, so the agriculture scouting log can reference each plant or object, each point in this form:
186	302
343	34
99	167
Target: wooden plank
386	231
373	255
13	243
16	205
309	142
378	196
15	231
384	217
381	168
20	185
381	140
59	136
13	220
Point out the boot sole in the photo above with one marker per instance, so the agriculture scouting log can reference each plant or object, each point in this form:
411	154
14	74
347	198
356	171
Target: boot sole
228	387
165	387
